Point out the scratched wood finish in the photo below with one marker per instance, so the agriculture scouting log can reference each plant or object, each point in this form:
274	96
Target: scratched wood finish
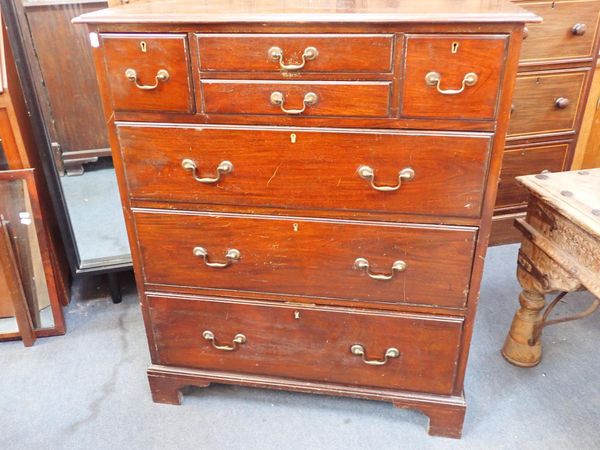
304	336
167	52
312	261
336	99
308	257
336	53
537	108
483	56
318	169
523	161
554	38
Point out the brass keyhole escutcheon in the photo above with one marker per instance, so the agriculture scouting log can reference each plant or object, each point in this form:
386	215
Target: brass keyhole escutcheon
143	46
293	138
295	227
455	47
297	315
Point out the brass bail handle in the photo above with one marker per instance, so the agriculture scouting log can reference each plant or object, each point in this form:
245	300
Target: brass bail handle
367	173
363	264
231	255
309	54
161	76
223	168
277	98
434	79
359	350
238	340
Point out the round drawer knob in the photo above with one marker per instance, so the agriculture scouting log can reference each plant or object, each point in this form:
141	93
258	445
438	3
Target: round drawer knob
561	102
579	29
525	32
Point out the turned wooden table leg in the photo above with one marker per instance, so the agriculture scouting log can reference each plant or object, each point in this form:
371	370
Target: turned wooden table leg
518	348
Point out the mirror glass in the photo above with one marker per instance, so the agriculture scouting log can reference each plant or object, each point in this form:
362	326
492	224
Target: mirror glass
24	261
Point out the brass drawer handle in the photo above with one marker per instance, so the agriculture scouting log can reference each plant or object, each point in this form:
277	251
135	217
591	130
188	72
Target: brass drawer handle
223	167
359	350
561	102
579	29
231	255
276	54
310	99
367	173
363	264
161	76
434	79
238	339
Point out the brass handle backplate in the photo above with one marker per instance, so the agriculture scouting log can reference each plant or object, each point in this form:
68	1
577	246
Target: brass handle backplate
238	339
367	173
309	54
359	350
363	264
434	79
223	167
161	76
310	98
231	255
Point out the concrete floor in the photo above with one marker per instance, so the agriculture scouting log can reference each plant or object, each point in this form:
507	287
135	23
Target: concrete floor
88	390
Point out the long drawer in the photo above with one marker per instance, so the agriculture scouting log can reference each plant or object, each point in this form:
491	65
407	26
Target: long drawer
354	261
400	172
367	348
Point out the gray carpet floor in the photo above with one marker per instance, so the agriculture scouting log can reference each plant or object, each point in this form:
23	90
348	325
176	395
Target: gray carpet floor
88	390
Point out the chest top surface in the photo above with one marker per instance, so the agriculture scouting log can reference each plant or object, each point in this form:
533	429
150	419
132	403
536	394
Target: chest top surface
279	11
575	194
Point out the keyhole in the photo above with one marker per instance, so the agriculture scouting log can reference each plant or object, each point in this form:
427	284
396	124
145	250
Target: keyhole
293	138
295	227
143	46
454	47
296	315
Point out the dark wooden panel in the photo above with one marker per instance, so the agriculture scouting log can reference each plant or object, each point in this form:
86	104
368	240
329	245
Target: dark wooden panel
147	54
483	56
297	169
335	53
503	229
337	99
65	59
526	161
296	342
539	102
309	257
555	38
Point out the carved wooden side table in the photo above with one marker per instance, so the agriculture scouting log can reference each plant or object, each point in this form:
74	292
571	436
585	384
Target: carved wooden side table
560	252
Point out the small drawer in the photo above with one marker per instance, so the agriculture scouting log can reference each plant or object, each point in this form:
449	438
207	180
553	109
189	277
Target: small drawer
453	77
527	161
567	33
366	348
353	261
297	99
296	54
402	172
148	72
546	103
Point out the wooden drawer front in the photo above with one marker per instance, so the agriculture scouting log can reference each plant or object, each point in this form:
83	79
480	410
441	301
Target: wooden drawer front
428	55
317	171
560	36
309	343
336	99
368	53
124	52
308	257
537	106
527	161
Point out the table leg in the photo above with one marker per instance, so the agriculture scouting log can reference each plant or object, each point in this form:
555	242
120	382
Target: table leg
518	348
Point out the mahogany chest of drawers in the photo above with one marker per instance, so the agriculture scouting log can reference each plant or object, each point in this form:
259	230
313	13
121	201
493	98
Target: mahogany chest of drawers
555	72
308	189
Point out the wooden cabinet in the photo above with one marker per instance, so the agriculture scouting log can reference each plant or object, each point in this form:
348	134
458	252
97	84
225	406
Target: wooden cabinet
309	191
551	93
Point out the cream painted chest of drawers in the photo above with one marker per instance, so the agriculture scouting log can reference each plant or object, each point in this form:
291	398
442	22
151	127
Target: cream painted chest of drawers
308	189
